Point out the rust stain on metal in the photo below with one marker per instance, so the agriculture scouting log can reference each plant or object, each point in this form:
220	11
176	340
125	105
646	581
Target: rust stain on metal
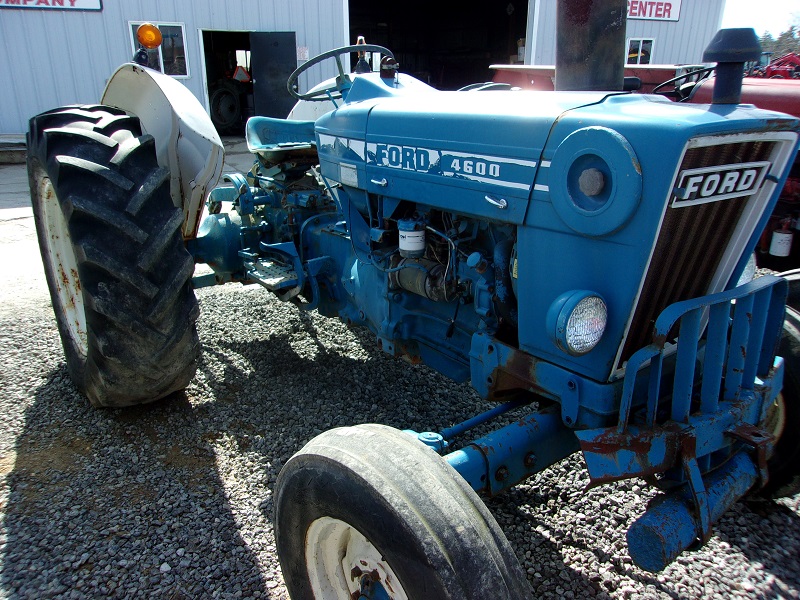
405	352
64	276
611	442
636	165
519	373
659	341
689	447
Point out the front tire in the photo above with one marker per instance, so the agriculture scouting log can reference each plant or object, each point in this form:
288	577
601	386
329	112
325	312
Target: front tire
115	263
783	419
371	506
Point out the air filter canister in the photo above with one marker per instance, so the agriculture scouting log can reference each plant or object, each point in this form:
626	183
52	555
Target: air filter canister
412	238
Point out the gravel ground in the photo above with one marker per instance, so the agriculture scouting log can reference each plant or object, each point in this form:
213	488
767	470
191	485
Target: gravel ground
174	500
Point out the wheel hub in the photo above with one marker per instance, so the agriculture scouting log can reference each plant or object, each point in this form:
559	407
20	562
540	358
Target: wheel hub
344	565
370	587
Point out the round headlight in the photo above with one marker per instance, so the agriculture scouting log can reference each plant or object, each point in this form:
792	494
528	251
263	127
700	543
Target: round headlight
586	324
577	321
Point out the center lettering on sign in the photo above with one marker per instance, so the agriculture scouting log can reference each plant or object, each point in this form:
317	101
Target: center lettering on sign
665	10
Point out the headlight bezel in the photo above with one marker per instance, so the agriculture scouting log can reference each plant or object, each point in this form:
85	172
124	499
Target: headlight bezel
569	313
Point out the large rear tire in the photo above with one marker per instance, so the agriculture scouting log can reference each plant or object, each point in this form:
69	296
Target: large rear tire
370	509
118	272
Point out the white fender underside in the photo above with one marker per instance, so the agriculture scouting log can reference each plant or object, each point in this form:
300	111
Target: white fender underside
186	141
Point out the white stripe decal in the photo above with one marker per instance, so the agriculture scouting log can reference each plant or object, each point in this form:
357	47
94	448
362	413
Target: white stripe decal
488	158
511	184
356	146
483	168
541	188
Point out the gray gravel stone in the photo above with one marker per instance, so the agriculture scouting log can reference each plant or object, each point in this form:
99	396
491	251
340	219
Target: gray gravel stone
174	499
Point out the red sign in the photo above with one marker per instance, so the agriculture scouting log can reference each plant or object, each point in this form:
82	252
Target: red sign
654	10
54	4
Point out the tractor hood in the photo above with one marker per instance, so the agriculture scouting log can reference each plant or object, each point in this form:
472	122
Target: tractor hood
482	148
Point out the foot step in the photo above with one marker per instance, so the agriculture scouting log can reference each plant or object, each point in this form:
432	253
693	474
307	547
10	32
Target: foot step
273	275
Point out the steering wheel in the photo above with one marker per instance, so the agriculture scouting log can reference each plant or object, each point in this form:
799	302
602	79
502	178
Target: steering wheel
343	81
677	91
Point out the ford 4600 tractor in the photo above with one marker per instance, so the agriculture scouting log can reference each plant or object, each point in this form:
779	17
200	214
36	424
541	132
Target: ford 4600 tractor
583	254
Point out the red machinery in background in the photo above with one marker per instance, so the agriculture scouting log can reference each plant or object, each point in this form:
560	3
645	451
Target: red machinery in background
542	77
786	66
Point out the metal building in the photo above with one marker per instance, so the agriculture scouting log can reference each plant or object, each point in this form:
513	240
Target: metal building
63	51
658	31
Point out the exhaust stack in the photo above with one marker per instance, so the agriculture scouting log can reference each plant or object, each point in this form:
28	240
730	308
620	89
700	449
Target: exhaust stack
730	49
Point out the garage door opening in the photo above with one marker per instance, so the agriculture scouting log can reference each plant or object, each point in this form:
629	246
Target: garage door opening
246	73
446	44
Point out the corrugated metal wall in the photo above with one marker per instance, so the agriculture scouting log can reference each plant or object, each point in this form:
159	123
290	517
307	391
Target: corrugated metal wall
58	57
676	42
682	42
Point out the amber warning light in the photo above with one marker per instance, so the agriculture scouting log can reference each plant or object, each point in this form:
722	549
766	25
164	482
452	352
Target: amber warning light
148	35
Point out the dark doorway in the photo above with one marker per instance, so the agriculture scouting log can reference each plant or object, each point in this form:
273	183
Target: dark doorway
274	57
246	74
446	44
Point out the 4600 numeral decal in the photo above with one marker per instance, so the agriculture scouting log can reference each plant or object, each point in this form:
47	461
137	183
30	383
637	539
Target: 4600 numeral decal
475	166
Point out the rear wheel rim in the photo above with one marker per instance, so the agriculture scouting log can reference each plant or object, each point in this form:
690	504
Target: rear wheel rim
341	561
64	267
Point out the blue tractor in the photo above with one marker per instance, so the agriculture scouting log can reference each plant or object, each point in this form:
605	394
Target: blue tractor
584	254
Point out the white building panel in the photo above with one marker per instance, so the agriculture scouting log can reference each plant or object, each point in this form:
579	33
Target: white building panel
680	29
56	57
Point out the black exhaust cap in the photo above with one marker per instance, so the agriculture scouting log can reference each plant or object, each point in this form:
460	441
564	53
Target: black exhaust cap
730	49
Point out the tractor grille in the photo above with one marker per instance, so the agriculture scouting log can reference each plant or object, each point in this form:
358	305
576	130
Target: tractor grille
692	241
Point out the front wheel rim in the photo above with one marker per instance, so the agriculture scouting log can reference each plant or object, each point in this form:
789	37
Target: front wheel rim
776	417
64	267
341	561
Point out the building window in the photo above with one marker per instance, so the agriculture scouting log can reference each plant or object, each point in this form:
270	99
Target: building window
639	51
170	57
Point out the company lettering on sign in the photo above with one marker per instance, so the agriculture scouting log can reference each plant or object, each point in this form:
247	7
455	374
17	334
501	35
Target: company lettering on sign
654	10
53	4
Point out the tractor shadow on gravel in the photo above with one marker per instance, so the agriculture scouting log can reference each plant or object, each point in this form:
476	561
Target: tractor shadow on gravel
174	499
121	503
313	374
766	531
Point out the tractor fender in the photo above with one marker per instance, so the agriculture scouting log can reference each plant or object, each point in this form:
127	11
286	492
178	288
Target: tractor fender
186	141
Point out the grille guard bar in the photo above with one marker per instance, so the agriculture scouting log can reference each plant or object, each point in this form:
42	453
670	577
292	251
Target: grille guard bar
740	379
